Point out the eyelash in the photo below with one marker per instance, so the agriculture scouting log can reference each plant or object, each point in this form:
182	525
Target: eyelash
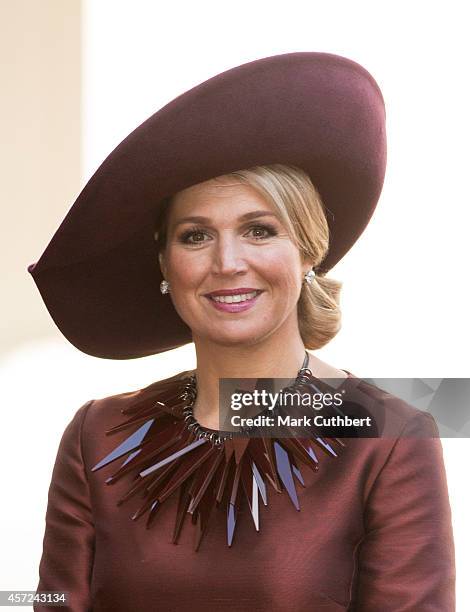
197	230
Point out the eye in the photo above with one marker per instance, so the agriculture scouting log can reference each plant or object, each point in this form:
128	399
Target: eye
195	235
265	230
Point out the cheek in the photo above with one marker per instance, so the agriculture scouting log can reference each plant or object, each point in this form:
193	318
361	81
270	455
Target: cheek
184	272
182	278
283	270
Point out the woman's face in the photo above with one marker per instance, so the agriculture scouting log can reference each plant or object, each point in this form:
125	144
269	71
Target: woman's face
224	236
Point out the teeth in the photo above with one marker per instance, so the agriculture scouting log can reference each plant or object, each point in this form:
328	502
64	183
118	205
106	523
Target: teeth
230	299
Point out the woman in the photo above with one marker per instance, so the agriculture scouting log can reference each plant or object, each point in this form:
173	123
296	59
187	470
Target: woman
236	199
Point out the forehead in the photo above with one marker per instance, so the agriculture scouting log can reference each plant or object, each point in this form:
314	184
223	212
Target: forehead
219	196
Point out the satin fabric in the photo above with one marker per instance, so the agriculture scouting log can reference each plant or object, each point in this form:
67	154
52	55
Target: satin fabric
373	532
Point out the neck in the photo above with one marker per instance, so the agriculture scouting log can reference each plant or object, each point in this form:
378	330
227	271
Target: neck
275	357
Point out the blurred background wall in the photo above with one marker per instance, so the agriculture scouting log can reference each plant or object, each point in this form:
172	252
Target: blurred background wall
41	102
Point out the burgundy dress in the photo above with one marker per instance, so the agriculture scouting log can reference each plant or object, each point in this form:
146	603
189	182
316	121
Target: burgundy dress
373	532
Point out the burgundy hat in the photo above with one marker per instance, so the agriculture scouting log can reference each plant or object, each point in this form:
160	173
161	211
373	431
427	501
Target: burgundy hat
99	275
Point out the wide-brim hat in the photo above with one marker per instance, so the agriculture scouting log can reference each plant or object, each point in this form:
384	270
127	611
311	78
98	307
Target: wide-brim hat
99	275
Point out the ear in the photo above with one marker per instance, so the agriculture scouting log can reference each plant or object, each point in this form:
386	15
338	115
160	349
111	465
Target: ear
161	261
307	264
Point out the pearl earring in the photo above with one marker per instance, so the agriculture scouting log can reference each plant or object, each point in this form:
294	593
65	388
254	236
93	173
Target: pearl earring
309	276
165	286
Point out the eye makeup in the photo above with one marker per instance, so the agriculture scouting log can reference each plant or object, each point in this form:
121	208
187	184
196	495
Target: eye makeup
195	230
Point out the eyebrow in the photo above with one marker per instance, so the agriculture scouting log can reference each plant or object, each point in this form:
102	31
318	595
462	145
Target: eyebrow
254	214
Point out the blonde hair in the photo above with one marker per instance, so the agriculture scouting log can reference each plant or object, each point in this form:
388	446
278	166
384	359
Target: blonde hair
294	197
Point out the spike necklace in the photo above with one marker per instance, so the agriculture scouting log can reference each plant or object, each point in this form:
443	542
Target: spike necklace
170	451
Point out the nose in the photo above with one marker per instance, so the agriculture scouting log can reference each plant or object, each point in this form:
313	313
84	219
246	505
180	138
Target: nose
228	255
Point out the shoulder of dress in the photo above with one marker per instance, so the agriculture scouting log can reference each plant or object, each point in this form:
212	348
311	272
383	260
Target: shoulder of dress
393	413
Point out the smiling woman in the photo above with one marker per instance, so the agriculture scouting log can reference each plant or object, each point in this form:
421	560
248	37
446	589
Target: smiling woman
216	221
265	225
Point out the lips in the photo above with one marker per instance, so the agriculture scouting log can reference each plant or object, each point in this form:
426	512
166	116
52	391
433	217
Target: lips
234	299
234	303
237	291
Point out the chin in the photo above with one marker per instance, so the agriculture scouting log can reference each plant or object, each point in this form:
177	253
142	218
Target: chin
245	338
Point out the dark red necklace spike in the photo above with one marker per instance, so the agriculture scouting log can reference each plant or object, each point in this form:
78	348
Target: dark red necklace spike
168	456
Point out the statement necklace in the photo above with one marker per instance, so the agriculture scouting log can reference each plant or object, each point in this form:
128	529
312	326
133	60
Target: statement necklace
199	431
170	451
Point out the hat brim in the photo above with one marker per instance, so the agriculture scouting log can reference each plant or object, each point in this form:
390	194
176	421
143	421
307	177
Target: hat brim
99	275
